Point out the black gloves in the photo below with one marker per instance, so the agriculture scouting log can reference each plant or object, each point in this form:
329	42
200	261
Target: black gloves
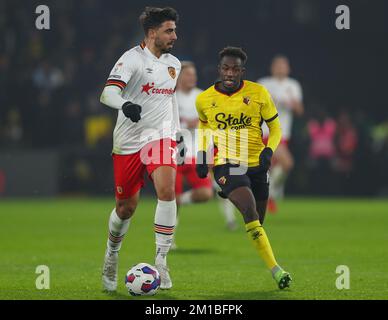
181	149
201	166
132	111
265	159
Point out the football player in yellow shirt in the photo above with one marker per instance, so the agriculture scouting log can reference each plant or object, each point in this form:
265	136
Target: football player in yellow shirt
231	113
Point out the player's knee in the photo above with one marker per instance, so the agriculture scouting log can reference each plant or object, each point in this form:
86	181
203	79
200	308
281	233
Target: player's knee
166	193
207	194
248	210
202	194
125	210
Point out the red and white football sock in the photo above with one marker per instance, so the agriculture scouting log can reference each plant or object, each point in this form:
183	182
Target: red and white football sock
117	229
165	220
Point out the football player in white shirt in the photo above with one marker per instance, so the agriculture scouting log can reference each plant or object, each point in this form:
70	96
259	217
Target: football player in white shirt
201	189
141	86
287	95
187	91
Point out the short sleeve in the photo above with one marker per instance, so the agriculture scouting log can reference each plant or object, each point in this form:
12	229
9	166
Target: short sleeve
122	71
199	106
268	110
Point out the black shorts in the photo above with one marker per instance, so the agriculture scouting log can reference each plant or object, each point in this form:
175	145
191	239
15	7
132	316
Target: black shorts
255	179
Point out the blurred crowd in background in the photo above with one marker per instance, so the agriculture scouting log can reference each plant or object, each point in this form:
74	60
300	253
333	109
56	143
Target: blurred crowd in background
51	82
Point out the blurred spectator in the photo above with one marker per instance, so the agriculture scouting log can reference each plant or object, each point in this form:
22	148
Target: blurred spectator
379	134
321	131
12	131
346	141
380	137
98	124
47	77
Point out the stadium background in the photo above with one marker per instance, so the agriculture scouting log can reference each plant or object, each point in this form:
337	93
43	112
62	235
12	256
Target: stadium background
54	130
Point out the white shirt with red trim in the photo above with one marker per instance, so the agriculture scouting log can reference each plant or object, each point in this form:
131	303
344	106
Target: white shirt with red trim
188	112
149	82
282	92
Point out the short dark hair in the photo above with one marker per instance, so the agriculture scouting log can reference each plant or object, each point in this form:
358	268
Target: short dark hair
280	56
234	52
153	17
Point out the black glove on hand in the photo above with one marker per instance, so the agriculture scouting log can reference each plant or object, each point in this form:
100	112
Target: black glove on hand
265	159
132	111
201	166
181	149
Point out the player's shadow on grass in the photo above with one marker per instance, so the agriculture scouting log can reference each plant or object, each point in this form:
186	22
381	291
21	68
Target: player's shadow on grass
252	295
193	251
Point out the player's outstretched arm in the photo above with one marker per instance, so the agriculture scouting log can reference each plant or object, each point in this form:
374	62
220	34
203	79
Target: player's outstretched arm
204	140
112	98
275	133
270	115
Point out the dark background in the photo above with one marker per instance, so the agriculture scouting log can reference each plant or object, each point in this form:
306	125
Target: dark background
51	81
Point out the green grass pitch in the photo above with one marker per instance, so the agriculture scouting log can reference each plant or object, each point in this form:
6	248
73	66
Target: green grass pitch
310	238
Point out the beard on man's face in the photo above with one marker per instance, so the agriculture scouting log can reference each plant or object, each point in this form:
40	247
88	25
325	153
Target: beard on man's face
164	48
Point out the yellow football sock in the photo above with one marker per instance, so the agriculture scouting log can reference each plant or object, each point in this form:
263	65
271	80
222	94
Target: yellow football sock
260	240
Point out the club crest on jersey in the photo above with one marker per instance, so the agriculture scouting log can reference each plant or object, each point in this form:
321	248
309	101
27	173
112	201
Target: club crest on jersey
119	190
118	66
172	72
222	180
247	100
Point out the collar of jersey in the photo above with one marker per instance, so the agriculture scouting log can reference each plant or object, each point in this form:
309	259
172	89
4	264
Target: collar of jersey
229	94
151	55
